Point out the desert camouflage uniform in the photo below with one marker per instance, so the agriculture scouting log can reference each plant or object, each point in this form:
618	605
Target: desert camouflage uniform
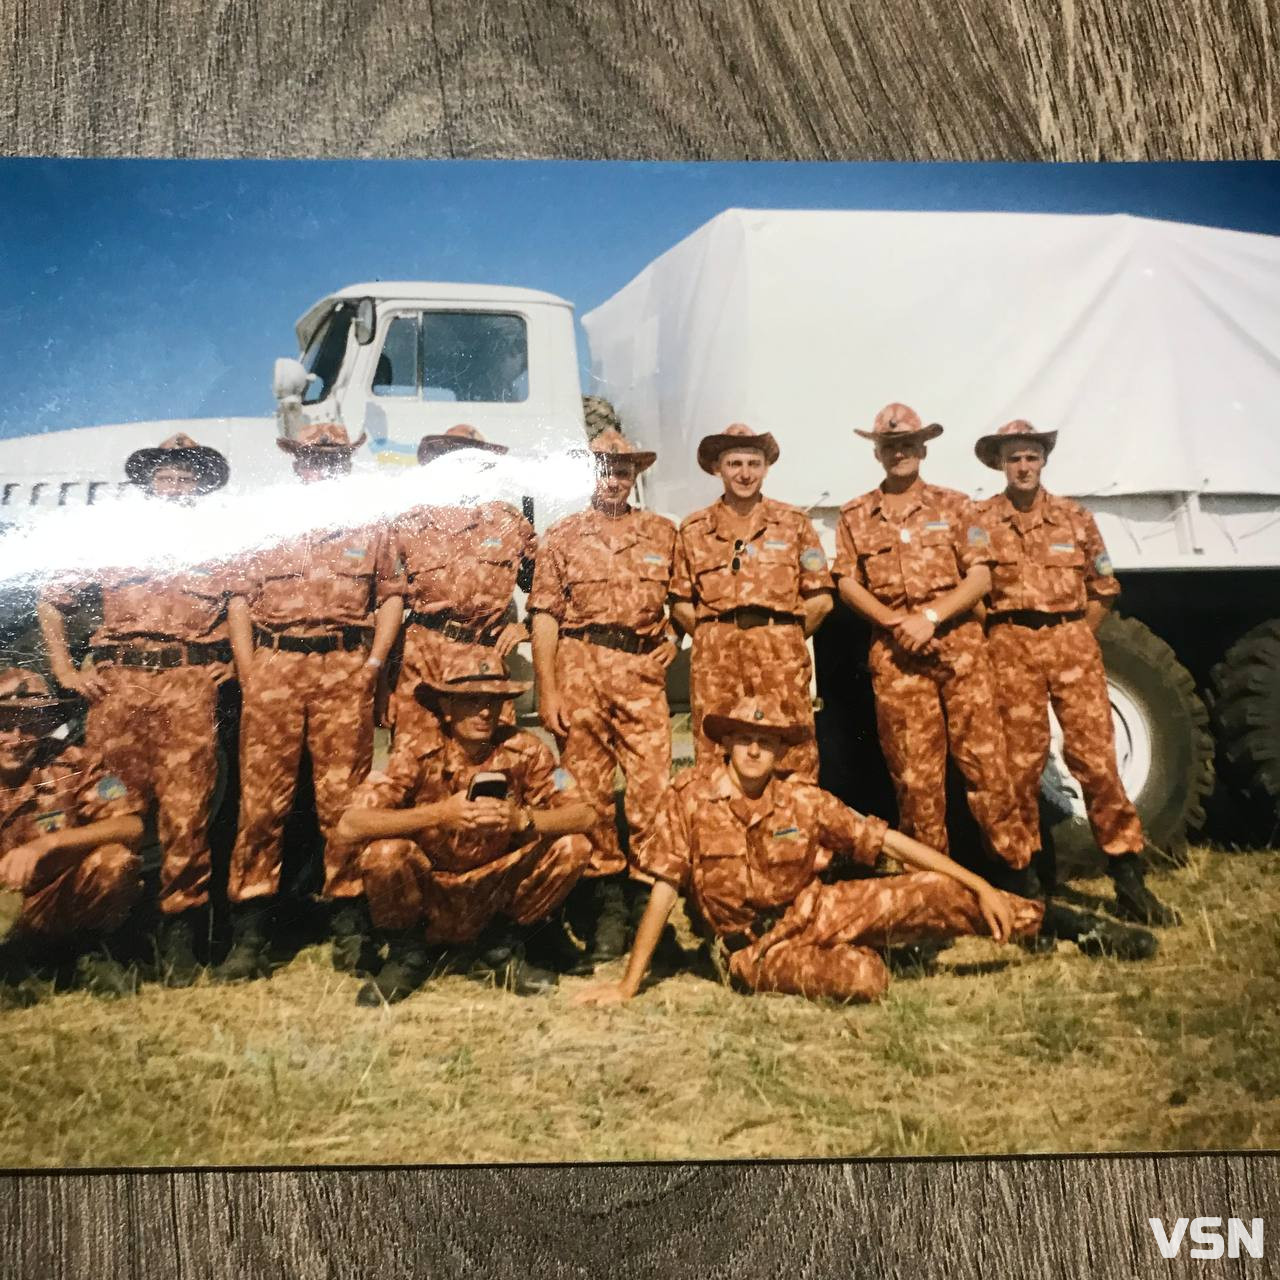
322	583
612	574
944	696
95	894
750	872
158	727
457	565
1048	564
454	883
779	564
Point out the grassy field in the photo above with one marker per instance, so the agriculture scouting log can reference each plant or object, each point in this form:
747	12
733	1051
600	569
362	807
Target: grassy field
997	1051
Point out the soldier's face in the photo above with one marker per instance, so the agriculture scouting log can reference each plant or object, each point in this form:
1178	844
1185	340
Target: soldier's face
752	755
901	459
18	746
742	472
471	717
173	482
1023	461
614	483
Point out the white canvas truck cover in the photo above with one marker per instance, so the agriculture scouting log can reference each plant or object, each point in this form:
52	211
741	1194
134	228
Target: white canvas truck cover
1152	347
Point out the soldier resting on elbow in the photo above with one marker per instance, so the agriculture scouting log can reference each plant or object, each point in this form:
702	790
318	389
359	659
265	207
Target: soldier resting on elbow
471	839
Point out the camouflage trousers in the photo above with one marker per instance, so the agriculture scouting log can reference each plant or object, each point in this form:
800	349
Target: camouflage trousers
94	896
158	729
525	884
728	664
945	699
324	700
826	943
1062	666
616	705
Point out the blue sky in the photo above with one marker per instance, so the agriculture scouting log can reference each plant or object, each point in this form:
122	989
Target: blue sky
150	289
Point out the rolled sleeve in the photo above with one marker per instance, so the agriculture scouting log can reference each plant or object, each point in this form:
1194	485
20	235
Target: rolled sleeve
1100	581
681	574
846	561
815	576
548	593
392	788
546	784
973	542
106	795
668	857
846	831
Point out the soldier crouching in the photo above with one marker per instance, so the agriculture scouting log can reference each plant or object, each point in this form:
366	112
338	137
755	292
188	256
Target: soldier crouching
469	841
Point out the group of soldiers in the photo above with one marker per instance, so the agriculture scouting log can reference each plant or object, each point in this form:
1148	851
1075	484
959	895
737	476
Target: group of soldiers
480	850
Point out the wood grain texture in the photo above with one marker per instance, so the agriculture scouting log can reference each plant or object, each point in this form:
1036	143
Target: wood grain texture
674	79
671	79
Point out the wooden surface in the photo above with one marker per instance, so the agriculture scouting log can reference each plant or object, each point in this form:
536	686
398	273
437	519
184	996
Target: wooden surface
1033	79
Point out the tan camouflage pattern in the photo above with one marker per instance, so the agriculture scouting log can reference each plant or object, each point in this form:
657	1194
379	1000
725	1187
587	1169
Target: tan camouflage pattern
1050	559
1062	666
732	857
326	701
324	578
73	789
914	555
456	881
826	945
606	570
159	730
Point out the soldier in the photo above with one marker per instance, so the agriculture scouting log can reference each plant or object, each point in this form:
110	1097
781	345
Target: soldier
458	569
601	648
1052	584
68	830
310	638
747	847
913	561
750	584
157	661
469	839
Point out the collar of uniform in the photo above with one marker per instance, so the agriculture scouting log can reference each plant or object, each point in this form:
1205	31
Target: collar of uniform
766	512
454	759
1045	509
727	790
617	531
917	496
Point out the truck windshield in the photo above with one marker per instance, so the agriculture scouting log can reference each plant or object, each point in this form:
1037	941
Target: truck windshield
325	354
455	355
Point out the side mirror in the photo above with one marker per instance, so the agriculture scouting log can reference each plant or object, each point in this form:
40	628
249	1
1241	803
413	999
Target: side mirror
365	322
289	379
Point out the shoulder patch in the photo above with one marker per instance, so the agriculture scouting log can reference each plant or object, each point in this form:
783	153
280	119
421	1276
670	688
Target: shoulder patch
978	536
111	787
1102	564
563	779
813	559
355	553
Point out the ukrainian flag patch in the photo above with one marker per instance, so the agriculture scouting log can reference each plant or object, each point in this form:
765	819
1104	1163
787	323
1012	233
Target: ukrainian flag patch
1062	546
650	558
938	526
787	833
492	542
355	553
774	544
54	820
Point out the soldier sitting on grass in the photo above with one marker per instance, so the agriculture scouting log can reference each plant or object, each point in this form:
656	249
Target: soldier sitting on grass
471	838
68	830
747	847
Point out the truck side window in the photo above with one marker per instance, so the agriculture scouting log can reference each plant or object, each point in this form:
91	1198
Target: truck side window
396	373
474	356
327	350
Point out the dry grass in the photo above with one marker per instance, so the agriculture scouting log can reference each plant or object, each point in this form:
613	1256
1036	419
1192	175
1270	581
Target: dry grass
997	1052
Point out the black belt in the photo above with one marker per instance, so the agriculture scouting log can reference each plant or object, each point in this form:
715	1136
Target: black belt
348	638
1033	619
747	616
452	629
162	657
622	638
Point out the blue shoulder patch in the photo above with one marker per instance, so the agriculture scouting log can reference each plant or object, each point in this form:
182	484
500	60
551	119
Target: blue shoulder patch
563	779
978	536
111	788
1102	564
813	559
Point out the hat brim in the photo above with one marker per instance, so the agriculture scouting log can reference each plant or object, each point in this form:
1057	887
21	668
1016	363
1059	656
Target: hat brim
208	466
507	690
717	726
432	447
296	446
931	432
711	447
641	459
988	447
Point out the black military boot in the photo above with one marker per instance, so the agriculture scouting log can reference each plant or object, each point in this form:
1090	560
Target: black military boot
405	969
176	963
1095	935
549	946
352	948
1134	901
500	958
248	957
100	974
609	938
23	981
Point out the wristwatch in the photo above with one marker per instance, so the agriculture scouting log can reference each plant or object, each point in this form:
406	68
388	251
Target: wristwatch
932	615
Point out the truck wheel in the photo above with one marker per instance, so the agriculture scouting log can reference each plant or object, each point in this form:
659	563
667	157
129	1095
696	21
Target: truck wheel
1245	700
1163	749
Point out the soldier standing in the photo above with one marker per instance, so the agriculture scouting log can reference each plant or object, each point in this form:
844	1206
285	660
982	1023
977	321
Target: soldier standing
1052	584
469	838
601	648
310	638
458	569
157	660
913	560
68	830
750	584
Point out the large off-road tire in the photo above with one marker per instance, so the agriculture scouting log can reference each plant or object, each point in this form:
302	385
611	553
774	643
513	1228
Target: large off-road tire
1163	749
1244	699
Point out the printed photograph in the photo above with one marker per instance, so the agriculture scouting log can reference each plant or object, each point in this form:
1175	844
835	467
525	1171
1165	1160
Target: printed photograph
534	661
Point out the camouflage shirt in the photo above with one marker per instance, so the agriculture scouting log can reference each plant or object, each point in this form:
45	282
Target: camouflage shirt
732	857
1050	559
914	555
606	570
776	566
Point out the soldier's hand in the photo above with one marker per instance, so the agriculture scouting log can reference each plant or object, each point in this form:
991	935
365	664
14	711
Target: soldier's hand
455	812
914	633
87	683
18	867
996	912
510	636
602	994
552	711
489	814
